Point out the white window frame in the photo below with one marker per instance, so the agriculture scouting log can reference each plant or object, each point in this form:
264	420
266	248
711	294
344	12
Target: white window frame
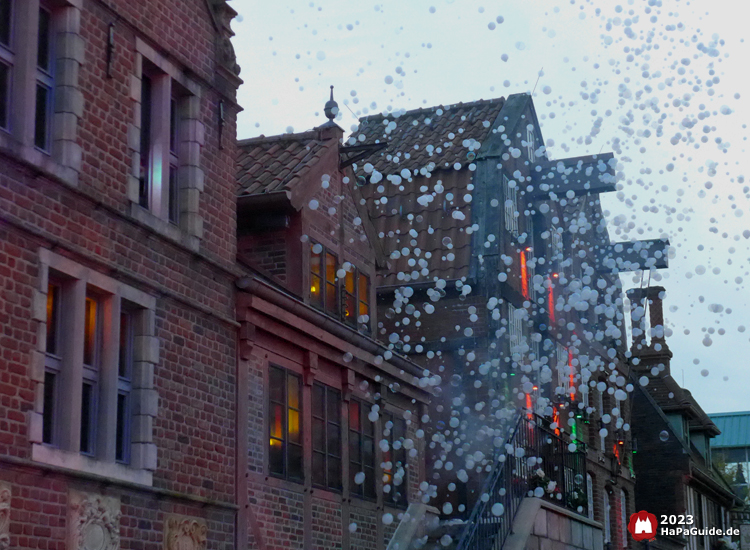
602	439
563	369
607	517
7	58
510	195
515	328
530	151
623	518
174	175
60	154
590	495
64	449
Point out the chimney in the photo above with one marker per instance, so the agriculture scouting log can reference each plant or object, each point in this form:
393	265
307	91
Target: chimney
651	299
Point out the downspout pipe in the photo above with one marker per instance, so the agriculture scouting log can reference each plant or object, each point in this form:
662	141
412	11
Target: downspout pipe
279	298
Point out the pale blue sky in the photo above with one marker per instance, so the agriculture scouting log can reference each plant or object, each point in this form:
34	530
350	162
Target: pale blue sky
608	78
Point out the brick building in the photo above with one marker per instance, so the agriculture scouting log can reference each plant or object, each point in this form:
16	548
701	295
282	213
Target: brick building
674	462
333	418
502	280
117	269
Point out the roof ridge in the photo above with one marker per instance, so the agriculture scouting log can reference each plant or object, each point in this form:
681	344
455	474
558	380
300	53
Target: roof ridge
309	134
448	107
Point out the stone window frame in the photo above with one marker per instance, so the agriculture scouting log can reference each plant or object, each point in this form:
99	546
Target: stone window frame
189	177
62	156
65	452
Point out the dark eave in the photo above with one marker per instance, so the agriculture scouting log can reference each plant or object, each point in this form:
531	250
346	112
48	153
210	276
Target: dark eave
633	256
587	175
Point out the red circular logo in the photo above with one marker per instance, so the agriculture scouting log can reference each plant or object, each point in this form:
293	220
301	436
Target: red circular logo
642	526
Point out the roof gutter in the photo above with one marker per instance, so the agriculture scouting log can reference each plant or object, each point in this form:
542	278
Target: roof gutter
279	298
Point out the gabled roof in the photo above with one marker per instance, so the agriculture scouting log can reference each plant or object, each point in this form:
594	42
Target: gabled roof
735	429
278	163
439	135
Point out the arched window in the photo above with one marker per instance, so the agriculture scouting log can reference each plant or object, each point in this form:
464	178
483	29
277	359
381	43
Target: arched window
607	524
590	495
623	518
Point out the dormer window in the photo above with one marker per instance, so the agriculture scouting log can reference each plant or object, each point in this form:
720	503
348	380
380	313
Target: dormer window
353	305
323	265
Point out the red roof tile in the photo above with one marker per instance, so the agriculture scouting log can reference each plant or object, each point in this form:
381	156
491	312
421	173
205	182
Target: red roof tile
277	163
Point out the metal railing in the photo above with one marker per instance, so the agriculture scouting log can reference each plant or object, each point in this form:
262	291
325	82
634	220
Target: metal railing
535	461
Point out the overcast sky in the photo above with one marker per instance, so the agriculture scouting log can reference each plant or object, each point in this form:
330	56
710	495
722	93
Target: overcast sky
659	83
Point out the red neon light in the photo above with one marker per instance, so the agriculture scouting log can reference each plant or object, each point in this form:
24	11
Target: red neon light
556	419
572	382
528	405
524	276
551	298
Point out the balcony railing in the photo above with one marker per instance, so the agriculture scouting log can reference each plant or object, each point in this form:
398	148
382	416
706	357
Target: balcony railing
536	462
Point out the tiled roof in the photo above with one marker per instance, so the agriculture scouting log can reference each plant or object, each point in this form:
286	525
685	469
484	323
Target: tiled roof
277	163
439	135
735	429
437	139
436	228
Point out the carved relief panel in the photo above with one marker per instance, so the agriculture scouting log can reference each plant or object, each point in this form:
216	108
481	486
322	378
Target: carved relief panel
94	522
5	494
183	533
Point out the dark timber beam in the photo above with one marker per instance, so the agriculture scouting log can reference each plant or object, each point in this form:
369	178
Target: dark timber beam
589	175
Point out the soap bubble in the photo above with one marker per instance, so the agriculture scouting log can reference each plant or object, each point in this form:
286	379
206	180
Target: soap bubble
664	435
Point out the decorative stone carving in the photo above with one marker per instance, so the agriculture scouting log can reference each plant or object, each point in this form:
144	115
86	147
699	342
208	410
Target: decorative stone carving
183	533
5	494
94	522
223	15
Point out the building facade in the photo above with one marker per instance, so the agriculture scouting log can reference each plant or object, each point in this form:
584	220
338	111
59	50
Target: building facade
334	418
502	281
674	462
117	264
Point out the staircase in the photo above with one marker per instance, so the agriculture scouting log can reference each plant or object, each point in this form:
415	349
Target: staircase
512	479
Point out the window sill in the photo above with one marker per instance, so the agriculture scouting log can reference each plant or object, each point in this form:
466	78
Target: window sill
75	461
163	227
34	158
326	494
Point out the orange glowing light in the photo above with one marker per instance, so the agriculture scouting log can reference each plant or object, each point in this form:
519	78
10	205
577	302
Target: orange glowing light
551	298
572	382
524	276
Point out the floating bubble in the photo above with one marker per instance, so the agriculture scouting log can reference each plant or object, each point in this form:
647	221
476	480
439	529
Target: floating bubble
664	435
498	509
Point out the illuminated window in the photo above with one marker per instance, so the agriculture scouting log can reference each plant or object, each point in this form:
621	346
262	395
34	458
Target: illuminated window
361	451
356	298
90	383
394	465
285	424
52	364
323	280
326	437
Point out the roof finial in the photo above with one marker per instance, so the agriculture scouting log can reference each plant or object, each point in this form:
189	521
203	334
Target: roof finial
331	108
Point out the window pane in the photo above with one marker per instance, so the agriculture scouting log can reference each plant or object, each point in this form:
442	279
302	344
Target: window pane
41	117
350	309
354	415
318	435
330	268
89	332
364	288
355	447
126	343
277	422
48	414
349	281
319	469
276	457
294	391
295	461
295	435
53	312
4	93
334	473
172	125
315	260
334	440
316	291
174	196
43	41
334	406
331	299
87	409
276	384
368	452
145	141
5	21
318	400
121	444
